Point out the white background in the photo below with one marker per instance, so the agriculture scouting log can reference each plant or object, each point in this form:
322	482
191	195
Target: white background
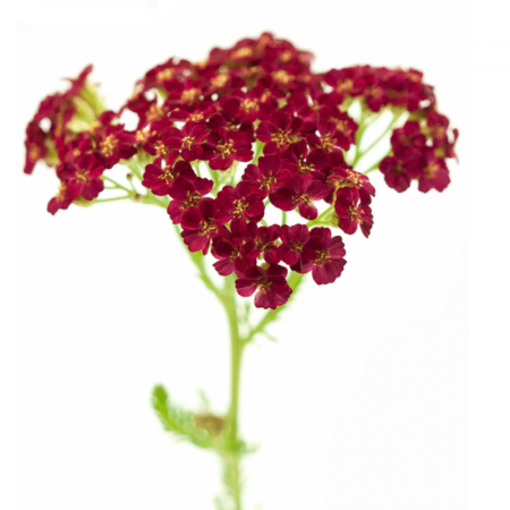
363	403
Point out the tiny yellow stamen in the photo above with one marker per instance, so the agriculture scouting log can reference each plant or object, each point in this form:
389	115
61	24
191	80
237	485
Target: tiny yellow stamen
189	95
165	74
219	81
282	77
242	53
155	112
108	145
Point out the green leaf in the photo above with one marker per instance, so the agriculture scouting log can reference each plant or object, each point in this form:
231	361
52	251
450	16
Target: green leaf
179	422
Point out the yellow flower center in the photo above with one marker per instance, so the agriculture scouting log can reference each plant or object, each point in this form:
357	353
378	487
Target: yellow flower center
190	95
282	77
82	175
196	117
263	284
108	145
242	53
344	86
167	175
208	228
354	214
303	168
187	142
240	206
219	81
322	256
248	105
281	138
165	74
142	136
326	143
430	170
161	149
225	149
155	112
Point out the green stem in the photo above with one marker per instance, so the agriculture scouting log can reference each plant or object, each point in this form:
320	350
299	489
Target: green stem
232	459
362	126
233	450
97	201
259	146
360	154
311	223
134	166
294	281
116	184
375	166
382	135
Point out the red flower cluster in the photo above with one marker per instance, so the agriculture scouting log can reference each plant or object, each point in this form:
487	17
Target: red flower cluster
261	91
82	140
420	154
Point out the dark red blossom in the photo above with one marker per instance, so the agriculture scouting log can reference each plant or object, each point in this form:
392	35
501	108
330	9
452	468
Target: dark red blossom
189	141
298	159
434	173
187	193
352	214
34	145
294	240
161	179
324	256
409	135
246	107
330	137
230	146
356	183
300	191
265	174
199	225
266	241
437	125
83	177
235	250
345	125
241	204
397	173
270	286
278	133
114	144
437	130
62	200
57	109
82	144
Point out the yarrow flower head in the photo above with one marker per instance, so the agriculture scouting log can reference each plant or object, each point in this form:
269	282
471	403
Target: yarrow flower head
254	155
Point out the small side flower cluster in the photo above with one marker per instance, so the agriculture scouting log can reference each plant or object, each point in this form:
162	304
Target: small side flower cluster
420	148
81	140
272	134
420	153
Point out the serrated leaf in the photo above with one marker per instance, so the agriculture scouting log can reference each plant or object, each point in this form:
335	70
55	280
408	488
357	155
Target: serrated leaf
177	420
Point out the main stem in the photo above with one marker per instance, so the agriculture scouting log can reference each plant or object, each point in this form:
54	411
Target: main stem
232	459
